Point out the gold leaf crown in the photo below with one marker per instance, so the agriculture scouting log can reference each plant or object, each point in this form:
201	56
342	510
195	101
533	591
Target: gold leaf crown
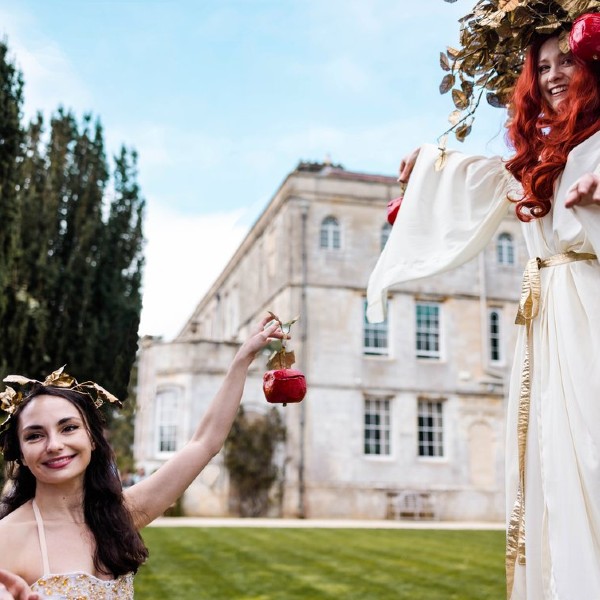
493	40
10	398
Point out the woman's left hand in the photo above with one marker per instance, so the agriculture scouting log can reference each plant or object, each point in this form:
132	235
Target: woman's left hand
584	192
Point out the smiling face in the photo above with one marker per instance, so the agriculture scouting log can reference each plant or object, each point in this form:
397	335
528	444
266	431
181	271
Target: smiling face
54	439
555	70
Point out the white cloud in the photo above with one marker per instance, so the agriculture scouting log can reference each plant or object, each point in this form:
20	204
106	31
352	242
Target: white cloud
161	147
184	256
49	75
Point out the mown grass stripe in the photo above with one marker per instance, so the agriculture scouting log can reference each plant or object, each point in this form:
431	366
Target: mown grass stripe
321	564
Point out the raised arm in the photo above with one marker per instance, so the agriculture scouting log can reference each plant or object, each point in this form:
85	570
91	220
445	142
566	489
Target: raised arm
150	498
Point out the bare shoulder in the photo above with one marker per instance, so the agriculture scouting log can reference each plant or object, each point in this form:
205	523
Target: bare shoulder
22	514
19	527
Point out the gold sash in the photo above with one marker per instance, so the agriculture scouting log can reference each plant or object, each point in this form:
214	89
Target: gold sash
529	306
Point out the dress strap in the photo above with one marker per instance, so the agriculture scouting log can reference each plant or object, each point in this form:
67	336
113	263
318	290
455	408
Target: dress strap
42	537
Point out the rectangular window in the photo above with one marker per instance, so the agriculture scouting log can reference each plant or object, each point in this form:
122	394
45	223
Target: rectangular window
495	350
167	407
431	428
377	427
428	330
375	335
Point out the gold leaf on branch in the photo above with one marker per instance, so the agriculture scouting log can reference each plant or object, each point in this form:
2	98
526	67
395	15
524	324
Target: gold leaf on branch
508	5
281	360
440	162
462	132
447	83
444	61
460	99
454	117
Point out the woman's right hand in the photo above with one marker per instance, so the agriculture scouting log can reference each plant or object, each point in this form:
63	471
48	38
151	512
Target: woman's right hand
13	587
407	165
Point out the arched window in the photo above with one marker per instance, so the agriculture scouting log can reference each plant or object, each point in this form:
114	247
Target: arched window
385	234
505	249
330	233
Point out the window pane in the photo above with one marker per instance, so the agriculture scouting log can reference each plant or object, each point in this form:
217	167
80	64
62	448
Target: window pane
330	234
377	427
428	330
430	428
167	408
505	249
375	335
494	336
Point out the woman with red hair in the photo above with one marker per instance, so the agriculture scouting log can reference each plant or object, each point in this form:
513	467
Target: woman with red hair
544	129
447	217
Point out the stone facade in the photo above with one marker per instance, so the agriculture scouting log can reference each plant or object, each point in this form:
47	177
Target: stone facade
400	420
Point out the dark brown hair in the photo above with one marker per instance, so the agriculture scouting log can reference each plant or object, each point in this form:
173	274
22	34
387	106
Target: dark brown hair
119	547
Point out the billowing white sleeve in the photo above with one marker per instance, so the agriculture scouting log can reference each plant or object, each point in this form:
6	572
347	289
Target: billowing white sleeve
446	218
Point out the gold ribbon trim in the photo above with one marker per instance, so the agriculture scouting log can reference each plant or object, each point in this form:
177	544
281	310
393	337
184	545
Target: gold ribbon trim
529	307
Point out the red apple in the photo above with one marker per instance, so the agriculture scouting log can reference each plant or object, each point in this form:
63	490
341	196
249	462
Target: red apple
392	209
282	386
584	39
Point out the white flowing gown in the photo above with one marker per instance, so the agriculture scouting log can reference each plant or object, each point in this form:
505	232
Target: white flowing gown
446	218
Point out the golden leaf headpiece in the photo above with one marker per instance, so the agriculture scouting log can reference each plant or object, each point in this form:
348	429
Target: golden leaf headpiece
493	38
10	398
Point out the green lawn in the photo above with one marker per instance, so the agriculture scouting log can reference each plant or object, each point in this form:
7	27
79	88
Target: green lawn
319	564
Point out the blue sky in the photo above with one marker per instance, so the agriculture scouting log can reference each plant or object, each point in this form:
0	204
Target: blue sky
223	98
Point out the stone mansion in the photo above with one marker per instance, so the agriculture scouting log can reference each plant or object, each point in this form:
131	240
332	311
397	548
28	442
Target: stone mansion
402	419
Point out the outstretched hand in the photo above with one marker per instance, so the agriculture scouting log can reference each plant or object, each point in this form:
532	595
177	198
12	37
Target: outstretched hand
13	587
407	164
584	192
266	331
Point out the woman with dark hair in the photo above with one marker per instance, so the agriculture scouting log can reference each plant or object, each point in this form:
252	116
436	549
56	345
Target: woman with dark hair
451	210
73	530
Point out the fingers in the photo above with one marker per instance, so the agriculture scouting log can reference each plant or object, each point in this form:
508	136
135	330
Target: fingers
13	587
585	191
264	322
407	164
271	328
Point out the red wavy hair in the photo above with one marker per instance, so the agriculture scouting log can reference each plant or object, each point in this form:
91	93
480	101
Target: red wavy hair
542	138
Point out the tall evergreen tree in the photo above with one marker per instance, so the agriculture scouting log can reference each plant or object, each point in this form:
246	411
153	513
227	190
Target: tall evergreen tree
79	178
11	137
71	249
77	270
27	323
117	289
